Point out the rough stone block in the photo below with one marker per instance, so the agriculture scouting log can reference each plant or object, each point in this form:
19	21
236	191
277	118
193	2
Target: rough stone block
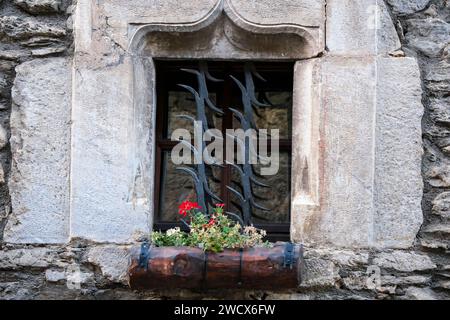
348	93
104	208
32	258
405	7
441	205
358	124
17	28
398	153
39	6
40	145
404	261
52	275
417	293
112	260
319	272
428	36
4	139
341	216
359	28
308	12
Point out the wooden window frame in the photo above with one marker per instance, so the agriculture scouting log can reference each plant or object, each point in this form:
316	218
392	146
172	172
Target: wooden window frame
275	231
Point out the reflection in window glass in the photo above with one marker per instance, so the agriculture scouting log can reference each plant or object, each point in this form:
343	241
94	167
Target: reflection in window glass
176	186
277	197
276	116
182	103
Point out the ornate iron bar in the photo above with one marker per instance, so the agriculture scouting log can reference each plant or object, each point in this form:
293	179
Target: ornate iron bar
205	195
247	122
247	176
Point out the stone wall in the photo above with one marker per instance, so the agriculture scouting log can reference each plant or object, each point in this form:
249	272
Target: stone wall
425	30
30	31
36	34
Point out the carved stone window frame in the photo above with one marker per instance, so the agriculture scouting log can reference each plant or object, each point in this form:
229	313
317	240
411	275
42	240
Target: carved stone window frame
146	46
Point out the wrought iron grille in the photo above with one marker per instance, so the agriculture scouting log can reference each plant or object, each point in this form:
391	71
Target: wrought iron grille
238	101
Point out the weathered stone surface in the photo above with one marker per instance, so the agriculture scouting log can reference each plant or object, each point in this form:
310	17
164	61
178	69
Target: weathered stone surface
120	13
438	87
71	275
443	285
378	210
47	51
433	243
355	281
437	71
12	54
5	85
319	272
375	35
104	205
398	154
409	280
112	260
4	139
403	261
305	12
405	7
441	205
299	14
39	6
438	230
4	106
40	144
417	293
33	257
428	36
292	29
438	175
305	118
344	258
18	28
52	275
346	173
303	17
444	144
439	111
2	174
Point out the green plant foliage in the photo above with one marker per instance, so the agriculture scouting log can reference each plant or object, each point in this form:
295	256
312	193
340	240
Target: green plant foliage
214	233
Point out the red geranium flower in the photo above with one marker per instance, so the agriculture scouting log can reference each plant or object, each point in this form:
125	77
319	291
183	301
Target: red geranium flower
187	206
210	223
220	205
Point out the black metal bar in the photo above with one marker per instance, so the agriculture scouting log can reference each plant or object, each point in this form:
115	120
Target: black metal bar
288	255
144	256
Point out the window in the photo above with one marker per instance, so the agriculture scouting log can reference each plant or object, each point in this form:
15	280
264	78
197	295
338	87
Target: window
273	84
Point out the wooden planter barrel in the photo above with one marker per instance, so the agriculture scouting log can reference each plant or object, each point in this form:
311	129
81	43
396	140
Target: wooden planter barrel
191	268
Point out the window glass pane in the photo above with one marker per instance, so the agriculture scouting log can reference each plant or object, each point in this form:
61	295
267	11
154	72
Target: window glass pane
182	103
277	197
276	116
176	186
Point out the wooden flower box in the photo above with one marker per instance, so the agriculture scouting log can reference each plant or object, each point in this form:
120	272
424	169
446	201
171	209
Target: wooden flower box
277	267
